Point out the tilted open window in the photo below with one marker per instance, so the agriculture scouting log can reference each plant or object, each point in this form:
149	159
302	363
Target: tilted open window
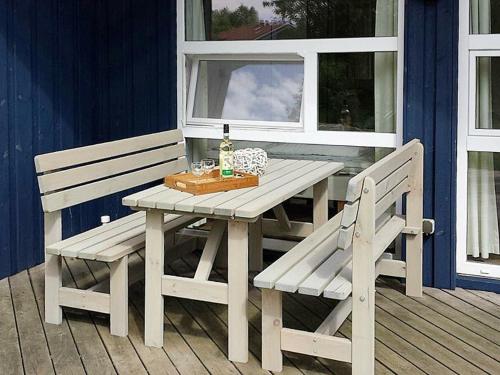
247	91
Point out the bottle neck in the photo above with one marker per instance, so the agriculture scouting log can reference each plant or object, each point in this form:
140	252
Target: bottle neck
226	136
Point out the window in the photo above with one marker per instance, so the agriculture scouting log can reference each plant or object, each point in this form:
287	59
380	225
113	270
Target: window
245	90
325	72
478	173
224	20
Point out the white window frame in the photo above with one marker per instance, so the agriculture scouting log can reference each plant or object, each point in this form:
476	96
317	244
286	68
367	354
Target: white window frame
469	139
250	124
308	49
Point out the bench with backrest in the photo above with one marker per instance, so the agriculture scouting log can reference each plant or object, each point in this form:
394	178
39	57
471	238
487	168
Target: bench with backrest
341	260
70	177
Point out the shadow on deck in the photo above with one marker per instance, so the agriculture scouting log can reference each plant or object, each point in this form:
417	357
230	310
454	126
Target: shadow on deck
443	332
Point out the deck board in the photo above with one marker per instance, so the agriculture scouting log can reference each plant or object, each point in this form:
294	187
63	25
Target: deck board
307	365
470	309
453	314
62	346
489	296
484	346
154	360
10	352
214	327
95	358
34	348
179	352
461	354
444	332
120	349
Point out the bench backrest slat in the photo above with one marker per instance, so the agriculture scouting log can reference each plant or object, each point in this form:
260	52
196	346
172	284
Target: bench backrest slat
105	169
393	178
388	200
380	170
388	184
82	155
82	174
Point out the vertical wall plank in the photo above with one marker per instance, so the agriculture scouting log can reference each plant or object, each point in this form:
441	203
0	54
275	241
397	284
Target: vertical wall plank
43	139
419	98
86	98
22	124
431	59
446	135
167	64
5	202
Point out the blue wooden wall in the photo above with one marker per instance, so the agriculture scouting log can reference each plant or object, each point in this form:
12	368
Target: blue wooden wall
72	73
431	60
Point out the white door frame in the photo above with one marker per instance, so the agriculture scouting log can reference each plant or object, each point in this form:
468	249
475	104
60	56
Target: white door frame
468	137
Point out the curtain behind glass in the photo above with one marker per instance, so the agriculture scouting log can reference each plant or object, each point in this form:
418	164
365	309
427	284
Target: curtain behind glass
385	71
482	223
195	20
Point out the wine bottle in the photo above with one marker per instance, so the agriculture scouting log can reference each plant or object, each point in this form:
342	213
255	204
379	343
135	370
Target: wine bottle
226	155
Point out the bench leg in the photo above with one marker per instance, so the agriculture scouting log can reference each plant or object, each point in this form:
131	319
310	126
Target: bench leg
255	246
414	214
272	323
238	291
53	268
53	281
118	287
363	327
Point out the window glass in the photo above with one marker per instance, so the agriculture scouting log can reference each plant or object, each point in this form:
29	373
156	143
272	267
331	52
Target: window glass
485	16
289	19
355	159
487	93
357	92
483	198
249	90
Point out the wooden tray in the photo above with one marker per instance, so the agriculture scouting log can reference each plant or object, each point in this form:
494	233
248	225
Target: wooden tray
211	183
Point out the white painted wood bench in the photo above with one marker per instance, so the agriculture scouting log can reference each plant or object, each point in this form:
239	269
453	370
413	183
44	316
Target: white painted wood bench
342	259
70	177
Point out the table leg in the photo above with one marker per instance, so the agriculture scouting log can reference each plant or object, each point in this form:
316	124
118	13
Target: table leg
154	308
255	245
238	291
320	203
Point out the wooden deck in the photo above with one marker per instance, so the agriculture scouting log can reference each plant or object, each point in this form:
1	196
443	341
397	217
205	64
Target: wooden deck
444	332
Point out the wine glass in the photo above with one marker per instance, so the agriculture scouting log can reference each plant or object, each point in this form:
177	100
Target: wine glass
197	169
208	165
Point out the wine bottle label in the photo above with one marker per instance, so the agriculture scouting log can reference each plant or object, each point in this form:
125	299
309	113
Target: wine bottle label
226	162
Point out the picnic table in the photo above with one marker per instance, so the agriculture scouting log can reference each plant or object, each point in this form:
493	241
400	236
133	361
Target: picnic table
240	211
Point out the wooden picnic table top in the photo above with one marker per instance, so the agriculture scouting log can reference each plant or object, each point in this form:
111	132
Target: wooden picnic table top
284	178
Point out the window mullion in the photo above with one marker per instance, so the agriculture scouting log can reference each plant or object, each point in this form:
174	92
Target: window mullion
310	96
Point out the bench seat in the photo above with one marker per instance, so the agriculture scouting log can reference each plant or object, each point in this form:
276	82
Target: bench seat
115	240
318	266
